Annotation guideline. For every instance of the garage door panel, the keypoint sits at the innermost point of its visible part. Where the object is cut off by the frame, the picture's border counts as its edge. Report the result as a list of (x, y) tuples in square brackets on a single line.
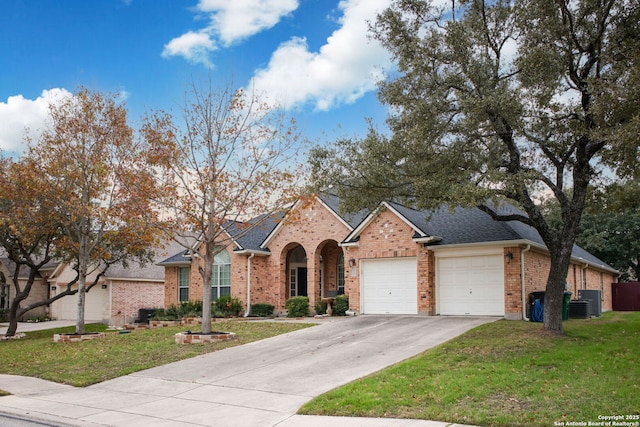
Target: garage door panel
[(95, 306), (389, 286), (471, 285)]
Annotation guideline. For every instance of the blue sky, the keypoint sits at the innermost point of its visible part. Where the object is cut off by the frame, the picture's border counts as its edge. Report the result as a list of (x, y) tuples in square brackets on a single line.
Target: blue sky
[(313, 57)]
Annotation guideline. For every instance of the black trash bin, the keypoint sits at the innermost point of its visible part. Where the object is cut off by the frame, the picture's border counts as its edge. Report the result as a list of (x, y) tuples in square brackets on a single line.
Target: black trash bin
[(144, 314)]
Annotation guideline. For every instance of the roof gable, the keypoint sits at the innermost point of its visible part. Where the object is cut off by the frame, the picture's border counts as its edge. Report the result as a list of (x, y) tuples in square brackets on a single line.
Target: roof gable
[(327, 201)]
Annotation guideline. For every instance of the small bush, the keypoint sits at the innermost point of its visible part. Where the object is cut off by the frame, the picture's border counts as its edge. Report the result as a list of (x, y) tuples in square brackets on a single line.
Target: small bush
[(321, 307), (191, 309), (177, 312), (297, 307), (262, 310), (226, 306), (341, 305), (170, 313)]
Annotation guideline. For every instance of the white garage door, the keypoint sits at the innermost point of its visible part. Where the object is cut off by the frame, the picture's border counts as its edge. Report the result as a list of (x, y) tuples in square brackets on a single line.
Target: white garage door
[(96, 306), (389, 286), (471, 285)]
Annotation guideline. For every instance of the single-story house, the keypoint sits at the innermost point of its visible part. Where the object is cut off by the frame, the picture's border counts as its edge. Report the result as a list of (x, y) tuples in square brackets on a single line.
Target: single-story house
[(119, 294), (115, 300), (394, 260), (39, 290)]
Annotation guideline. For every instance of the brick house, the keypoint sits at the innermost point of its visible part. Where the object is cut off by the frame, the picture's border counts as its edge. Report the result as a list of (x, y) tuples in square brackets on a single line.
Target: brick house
[(393, 260), (119, 294), (115, 300), (38, 290)]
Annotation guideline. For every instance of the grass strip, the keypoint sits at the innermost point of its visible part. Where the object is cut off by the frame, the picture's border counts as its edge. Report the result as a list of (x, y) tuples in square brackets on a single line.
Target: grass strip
[(90, 362), (507, 374)]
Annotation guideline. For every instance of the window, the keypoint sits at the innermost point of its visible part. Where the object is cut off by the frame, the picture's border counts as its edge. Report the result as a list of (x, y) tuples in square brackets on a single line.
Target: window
[(340, 274), (221, 276), (293, 280), (183, 284)]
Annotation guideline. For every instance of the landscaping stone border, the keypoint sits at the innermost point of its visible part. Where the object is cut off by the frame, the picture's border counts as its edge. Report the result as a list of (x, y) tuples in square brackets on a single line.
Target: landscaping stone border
[(17, 336), (197, 338), (78, 337)]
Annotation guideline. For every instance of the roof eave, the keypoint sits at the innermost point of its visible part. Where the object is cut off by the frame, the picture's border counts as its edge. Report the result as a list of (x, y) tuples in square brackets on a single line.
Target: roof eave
[(427, 239), (252, 252)]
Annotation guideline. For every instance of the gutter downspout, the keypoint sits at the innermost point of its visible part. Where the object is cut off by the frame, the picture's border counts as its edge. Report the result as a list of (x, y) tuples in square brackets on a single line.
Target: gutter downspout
[(522, 284), (248, 310), (583, 285)]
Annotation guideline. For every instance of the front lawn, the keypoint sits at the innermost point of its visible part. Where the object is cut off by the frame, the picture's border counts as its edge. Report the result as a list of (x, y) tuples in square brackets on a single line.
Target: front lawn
[(508, 373), (82, 364)]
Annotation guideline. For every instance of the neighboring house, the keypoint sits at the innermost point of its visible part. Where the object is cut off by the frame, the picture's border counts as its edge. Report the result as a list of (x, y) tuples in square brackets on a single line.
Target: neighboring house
[(39, 290), (119, 294), (395, 260)]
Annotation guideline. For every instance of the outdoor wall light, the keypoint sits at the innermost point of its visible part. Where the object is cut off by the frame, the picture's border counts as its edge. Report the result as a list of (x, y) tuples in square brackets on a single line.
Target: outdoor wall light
[(508, 257), (352, 262)]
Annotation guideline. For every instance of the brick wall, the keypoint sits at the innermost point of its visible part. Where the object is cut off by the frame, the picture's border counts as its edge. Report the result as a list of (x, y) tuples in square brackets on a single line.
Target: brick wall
[(127, 297), (313, 227), (537, 266), (170, 286), (512, 283)]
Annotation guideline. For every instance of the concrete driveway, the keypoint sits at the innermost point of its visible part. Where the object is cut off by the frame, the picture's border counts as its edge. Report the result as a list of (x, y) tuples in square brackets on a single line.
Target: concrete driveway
[(258, 384)]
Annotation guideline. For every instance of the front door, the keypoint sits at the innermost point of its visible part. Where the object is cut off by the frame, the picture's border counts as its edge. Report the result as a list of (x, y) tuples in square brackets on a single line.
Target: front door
[(302, 281)]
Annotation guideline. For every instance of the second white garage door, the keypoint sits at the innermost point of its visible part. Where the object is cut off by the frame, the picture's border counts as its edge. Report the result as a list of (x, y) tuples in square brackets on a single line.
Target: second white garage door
[(471, 285), (389, 286)]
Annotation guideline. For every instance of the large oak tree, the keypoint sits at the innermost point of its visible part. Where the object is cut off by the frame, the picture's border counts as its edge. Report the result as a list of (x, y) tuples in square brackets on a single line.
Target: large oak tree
[(500, 100)]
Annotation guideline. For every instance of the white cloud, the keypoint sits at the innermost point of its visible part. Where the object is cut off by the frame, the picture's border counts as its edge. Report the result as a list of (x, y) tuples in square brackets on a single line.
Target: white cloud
[(235, 20), (342, 71), (194, 47), (230, 22), (18, 115)]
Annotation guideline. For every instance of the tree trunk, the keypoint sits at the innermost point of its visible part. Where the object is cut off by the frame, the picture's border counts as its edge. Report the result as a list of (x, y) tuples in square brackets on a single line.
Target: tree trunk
[(83, 255), (13, 315), (81, 300), (554, 295), (207, 272)]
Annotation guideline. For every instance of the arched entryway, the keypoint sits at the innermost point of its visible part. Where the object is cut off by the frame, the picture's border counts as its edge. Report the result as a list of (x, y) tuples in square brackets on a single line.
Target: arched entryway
[(297, 272), (331, 269)]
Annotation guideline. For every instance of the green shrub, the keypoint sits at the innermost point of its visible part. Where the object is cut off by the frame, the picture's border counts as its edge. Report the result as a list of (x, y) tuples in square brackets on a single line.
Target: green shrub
[(178, 311), (341, 305), (170, 313), (191, 309), (262, 310), (226, 306), (321, 307), (297, 307)]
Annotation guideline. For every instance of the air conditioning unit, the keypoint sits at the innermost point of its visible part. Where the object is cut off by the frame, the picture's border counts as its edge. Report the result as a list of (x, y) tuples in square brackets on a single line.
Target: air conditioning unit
[(579, 309), (594, 296)]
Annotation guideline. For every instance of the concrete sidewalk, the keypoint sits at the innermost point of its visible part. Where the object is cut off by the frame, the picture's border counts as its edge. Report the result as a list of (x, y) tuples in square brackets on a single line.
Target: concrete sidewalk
[(258, 384)]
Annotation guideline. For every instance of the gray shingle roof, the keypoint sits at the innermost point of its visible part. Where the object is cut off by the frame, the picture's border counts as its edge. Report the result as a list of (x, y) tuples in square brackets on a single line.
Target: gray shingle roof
[(333, 201), (149, 271), (249, 235), (471, 225)]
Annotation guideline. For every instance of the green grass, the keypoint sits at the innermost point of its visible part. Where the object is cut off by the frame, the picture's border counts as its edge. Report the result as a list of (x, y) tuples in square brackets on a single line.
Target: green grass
[(507, 374), (83, 364)]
